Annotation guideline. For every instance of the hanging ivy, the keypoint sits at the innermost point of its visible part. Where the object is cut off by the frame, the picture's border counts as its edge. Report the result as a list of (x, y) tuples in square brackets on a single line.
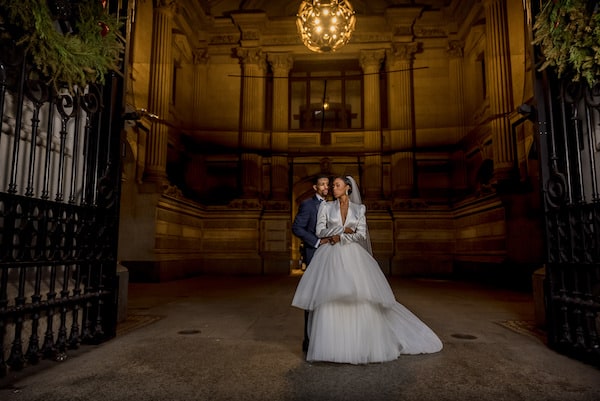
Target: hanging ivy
[(73, 42), (568, 33)]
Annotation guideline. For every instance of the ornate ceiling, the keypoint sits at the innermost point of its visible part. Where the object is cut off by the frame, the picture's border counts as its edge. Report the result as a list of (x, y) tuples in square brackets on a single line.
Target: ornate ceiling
[(274, 9), (271, 23)]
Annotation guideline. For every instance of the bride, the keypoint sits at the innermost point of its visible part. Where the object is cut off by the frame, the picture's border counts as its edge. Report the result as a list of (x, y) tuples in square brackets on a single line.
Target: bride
[(354, 317)]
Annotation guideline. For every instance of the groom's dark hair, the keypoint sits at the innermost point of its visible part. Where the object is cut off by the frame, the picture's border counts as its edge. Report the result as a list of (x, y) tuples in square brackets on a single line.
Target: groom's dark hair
[(318, 177)]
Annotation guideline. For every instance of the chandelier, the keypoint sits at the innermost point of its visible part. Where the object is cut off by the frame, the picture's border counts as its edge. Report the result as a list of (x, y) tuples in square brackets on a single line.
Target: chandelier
[(325, 26)]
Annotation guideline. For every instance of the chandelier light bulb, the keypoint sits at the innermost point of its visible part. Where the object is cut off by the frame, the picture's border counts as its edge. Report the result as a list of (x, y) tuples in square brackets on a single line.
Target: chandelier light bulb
[(325, 26)]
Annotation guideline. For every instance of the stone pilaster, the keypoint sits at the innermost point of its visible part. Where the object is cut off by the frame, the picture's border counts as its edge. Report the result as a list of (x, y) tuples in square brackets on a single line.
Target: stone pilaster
[(161, 77), (281, 64), (401, 117), (370, 62), (456, 74), (252, 121), (497, 61), (200, 80)]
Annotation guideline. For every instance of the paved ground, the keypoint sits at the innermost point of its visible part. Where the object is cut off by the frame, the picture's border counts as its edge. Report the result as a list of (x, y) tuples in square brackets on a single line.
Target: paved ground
[(234, 338)]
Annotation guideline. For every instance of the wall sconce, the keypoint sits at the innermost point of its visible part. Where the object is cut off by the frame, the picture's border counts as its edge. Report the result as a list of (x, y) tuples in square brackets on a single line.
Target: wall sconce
[(325, 26)]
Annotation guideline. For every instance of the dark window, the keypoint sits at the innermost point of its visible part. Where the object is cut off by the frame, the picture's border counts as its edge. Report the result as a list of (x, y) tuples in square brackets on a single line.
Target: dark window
[(326, 95)]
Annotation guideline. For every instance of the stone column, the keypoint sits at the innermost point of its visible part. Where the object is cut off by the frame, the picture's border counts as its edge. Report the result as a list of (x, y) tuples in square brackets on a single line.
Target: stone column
[(497, 61), (159, 96), (281, 63), (401, 118), (370, 62), (252, 121)]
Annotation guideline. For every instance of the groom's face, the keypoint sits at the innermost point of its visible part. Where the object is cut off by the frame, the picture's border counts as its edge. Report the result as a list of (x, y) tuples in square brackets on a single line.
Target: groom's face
[(322, 187)]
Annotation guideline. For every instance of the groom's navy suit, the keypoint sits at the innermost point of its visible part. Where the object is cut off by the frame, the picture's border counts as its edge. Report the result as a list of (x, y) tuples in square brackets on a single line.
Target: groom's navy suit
[(305, 224), (304, 227)]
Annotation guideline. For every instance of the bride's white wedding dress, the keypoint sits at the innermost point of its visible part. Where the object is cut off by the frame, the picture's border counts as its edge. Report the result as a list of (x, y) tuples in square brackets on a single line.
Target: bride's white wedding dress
[(354, 316)]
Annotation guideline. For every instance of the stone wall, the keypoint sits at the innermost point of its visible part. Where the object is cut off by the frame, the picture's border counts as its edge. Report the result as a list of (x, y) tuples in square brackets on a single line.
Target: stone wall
[(424, 241), (191, 239)]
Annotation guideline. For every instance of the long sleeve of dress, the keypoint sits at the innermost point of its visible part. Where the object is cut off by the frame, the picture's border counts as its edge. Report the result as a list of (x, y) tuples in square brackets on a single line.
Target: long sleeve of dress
[(329, 223), (358, 223)]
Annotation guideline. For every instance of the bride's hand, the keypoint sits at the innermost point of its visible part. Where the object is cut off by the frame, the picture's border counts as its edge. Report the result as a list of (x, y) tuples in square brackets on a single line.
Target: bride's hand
[(348, 230)]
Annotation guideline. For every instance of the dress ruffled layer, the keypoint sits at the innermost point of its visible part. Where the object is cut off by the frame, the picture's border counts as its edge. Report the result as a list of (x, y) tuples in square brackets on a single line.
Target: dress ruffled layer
[(354, 316)]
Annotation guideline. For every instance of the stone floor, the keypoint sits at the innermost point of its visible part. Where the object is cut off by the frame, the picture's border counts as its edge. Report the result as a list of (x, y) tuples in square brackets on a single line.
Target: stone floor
[(238, 338)]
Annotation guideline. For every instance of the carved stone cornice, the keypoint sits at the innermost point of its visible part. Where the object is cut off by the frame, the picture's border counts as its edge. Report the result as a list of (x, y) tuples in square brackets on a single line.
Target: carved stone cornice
[(456, 48), (251, 26), (399, 204), (167, 6), (201, 56), (223, 39), (376, 205), (245, 204), (281, 40), (181, 43), (370, 37), (404, 51), (276, 205), (325, 164), (281, 62), (429, 32), (402, 20), (371, 59), (250, 55), (173, 191)]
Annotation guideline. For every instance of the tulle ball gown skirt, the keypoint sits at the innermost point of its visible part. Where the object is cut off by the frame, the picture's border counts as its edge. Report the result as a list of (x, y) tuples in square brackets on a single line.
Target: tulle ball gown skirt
[(354, 317)]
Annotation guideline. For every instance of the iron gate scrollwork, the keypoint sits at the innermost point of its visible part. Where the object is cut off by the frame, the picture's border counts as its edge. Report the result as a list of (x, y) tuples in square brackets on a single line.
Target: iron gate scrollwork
[(569, 118), (59, 198)]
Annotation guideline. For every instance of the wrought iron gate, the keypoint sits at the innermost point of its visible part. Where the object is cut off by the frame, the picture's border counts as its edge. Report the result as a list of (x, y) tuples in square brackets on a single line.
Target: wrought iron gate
[(569, 118), (59, 199)]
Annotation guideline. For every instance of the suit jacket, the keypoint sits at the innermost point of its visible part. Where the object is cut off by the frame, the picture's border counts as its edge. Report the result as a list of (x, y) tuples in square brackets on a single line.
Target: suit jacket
[(305, 224)]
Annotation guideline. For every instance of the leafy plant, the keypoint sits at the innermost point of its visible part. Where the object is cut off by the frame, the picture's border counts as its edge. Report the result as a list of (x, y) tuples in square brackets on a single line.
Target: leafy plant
[(90, 48), (568, 33)]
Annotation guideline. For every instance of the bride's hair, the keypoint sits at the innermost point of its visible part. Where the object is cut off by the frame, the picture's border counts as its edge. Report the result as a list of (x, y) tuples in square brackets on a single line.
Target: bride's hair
[(347, 180)]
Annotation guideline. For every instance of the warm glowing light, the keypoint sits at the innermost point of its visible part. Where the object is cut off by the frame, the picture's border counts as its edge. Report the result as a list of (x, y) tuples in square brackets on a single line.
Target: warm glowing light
[(325, 26)]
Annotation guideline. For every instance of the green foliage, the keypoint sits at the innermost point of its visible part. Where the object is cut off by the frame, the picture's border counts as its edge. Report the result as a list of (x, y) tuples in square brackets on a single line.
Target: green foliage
[(568, 32), (84, 56)]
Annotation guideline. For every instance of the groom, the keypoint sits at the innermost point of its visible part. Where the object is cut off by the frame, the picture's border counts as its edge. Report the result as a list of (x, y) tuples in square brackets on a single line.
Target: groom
[(304, 227)]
